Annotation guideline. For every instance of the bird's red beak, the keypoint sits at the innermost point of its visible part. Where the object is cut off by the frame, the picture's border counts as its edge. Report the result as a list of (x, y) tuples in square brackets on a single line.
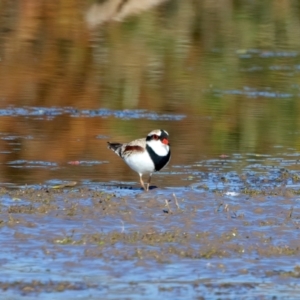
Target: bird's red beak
[(165, 141)]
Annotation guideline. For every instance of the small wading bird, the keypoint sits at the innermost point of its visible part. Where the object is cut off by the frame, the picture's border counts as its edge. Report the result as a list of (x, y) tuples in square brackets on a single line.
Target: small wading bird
[(147, 155)]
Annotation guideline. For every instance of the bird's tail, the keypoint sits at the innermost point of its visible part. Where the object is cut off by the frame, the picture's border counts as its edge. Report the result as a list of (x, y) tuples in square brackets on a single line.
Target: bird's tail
[(116, 147)]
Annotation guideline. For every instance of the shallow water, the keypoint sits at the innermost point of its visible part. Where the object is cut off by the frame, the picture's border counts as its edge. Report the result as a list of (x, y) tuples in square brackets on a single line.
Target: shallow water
[(222, 219), (132, 243)]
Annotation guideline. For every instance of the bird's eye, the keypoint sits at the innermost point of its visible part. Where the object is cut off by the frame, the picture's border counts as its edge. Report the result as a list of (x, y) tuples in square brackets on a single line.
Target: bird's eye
[(155, 137)]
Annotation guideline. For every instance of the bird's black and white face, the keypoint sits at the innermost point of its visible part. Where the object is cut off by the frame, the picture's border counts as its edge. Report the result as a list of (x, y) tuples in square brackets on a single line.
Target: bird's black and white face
[(158, 141)]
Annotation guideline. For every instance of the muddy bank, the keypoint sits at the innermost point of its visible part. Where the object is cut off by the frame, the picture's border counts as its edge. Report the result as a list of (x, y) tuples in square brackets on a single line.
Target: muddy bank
[(92, 242)]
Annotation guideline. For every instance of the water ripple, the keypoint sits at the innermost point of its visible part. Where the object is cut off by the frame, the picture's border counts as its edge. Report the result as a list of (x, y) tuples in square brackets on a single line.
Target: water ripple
[(51, 112)]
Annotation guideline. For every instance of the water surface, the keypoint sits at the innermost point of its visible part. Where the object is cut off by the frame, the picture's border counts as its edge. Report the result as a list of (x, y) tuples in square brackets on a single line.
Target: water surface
[(221, 77)]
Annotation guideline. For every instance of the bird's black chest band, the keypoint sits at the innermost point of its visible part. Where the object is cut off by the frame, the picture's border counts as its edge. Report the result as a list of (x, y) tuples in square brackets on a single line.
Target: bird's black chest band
[(159, 161)]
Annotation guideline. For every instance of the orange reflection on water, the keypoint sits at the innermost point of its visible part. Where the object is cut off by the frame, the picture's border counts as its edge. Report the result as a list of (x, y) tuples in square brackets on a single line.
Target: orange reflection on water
[(227, 67)]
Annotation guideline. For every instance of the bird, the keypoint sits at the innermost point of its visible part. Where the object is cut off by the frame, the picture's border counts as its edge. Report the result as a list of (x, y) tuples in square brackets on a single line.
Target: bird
[(145, 155)]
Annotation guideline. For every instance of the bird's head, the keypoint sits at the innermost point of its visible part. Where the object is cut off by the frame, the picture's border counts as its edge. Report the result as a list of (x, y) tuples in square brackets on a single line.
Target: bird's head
[(158, 140)]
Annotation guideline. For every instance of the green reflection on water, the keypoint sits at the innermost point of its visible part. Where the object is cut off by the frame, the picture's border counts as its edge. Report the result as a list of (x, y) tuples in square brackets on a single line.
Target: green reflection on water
[(231, 67)]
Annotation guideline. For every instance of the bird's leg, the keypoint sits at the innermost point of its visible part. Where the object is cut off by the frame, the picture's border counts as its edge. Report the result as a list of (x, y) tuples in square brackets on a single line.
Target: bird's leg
[(142, 182), (149, 180)]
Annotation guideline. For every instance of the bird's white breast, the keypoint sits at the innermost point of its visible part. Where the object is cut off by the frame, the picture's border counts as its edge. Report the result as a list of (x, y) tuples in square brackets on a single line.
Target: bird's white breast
[(140, 162)]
